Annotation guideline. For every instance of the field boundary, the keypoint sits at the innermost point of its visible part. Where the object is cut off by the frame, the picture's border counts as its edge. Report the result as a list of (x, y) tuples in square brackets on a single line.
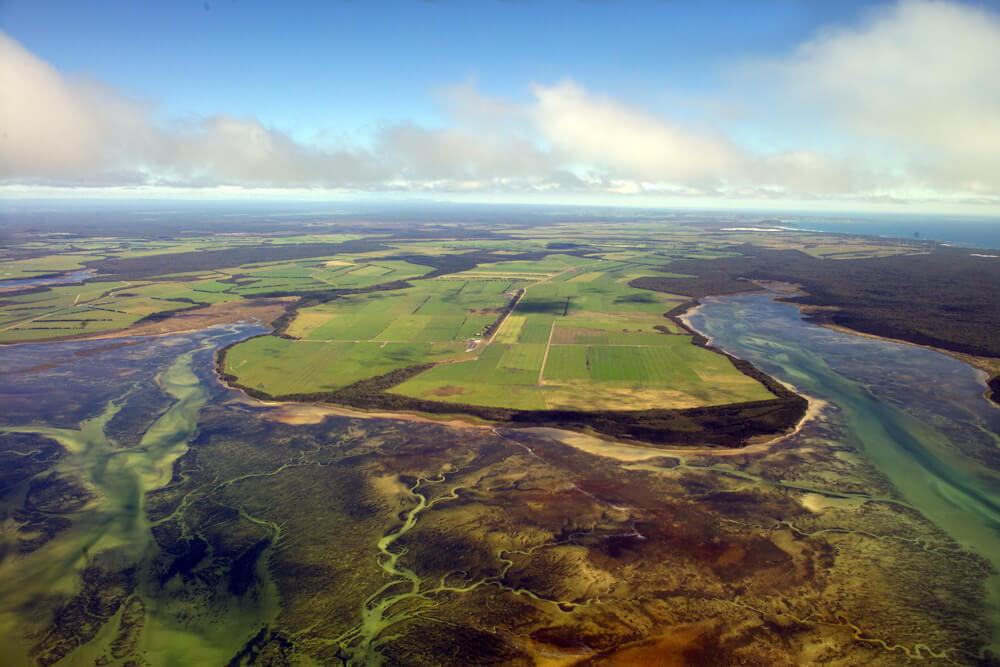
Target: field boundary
[(731, 425), (545, 358)]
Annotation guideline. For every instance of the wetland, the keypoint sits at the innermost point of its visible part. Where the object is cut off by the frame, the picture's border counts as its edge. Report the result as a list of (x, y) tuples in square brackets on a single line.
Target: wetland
[(213, 466), (158, 517)]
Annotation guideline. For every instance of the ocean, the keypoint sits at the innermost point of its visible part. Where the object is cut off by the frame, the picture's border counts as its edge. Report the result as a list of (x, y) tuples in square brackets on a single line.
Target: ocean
[(958, 231)]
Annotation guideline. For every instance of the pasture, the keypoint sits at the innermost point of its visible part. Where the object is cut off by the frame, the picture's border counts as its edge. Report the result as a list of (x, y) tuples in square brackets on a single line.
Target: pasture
[(583, 339), (281, 366), (579, 337)]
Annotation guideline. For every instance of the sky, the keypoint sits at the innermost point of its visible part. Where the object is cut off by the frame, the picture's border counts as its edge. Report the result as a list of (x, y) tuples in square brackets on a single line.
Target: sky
[(819, 105)]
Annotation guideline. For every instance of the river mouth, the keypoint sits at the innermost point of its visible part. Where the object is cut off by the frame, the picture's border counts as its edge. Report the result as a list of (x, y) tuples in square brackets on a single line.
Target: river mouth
[(918, 415), (161, 514)]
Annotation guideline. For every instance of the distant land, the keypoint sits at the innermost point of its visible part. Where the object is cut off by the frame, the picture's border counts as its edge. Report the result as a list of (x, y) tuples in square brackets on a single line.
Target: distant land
[(270, 434)]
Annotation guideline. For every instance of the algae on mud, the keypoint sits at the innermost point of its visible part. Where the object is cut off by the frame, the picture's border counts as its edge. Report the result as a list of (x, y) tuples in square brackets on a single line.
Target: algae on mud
[(94, 574), (918, 415), (374, 540)]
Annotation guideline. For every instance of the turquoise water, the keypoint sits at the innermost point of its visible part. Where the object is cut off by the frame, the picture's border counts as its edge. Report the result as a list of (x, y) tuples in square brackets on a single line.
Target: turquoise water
[(919, 416)]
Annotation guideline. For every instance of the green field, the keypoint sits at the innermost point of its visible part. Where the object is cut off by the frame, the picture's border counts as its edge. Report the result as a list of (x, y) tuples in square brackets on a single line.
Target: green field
[(95, 307), (281, 366), (579, 338), (110, 306)]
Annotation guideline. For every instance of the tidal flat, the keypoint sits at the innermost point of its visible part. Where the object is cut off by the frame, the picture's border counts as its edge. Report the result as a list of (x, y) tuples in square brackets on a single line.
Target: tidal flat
[(151, 515)]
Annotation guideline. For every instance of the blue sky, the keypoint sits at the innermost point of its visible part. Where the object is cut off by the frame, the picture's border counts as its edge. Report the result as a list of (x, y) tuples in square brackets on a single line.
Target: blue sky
[(625, 102), (338, 65)]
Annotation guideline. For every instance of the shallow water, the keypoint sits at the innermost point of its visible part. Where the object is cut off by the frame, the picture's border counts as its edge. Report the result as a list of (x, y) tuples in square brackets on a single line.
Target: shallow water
[(71, 277), (125, 409), (61, 400), (920, 416)]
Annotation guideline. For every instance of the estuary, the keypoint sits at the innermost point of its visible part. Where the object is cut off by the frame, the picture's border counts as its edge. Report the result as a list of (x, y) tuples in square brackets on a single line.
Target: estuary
[(918, 415), (152, 514)]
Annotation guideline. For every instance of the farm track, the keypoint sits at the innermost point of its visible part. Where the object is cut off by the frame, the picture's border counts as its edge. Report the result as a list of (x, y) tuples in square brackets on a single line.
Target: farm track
[(545, 357)]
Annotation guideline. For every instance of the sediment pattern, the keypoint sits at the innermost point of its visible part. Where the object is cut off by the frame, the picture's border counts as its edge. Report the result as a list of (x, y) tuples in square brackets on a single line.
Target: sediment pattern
[(203, 523)]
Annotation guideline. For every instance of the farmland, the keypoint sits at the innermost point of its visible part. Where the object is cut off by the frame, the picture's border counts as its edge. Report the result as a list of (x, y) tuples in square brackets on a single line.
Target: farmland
[(462, 320), (96, 306), (427, 480), (611, 347)]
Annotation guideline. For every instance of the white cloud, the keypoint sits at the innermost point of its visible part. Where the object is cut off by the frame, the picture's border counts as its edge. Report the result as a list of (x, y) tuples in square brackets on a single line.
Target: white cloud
[(60, 130), (918, 80), (910, 92), (461, 152), (603, 132), (621, 142), (52, 127), (241, 151)]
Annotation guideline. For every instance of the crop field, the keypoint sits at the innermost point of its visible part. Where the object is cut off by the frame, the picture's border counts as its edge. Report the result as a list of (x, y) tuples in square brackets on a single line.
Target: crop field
[(579, 336), (588, 344), (567, 362), (320, 274), (59, 311), (28, 268), (95, 307), (536, 328), (433, 321), (75, 310), (281, 366), (431, 311), (651, 370)]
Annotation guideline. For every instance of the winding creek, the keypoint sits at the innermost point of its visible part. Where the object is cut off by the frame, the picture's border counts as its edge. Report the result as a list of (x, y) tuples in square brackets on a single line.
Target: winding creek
[(919, 416)]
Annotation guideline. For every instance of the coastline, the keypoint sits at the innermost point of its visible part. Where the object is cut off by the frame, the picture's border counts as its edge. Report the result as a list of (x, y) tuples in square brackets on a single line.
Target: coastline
[(293, 413), (988, 367), (657, 430), (814, 406), (635, 451)]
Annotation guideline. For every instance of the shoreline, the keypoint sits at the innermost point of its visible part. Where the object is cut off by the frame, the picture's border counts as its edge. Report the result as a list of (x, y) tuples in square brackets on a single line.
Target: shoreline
[(814, 406), (988, 367), (295, 411)]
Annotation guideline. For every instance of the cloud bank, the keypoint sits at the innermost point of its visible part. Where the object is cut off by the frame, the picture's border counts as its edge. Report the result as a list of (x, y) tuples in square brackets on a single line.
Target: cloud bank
[(917, 81), (910, 95)]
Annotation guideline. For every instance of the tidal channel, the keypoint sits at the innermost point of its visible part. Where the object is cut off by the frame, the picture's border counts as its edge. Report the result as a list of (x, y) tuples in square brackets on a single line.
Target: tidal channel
[(920, 416)]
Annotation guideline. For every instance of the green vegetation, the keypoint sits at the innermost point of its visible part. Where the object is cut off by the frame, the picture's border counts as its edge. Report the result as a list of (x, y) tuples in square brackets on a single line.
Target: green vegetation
[(630, 359), (52, 264), (152, 515), (521, 320), (282, 366), (575, 347), (946, 298), (159, 518)]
